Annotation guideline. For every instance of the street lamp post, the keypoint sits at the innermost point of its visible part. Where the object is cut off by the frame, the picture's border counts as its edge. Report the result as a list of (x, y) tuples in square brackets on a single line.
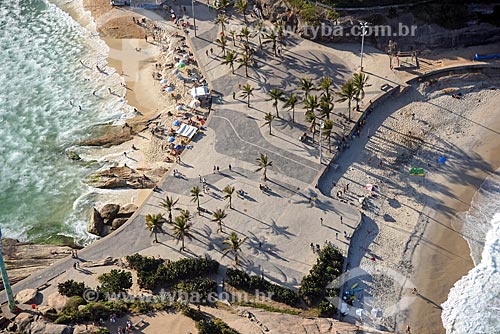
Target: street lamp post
[(321, 126), (364, 25), (194, 17)]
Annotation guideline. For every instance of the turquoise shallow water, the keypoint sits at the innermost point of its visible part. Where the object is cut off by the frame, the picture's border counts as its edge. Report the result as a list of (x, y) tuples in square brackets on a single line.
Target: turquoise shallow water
[(47, 105)]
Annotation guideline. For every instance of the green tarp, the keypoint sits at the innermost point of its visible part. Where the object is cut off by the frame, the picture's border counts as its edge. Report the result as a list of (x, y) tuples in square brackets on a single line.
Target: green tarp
[(417, 171)]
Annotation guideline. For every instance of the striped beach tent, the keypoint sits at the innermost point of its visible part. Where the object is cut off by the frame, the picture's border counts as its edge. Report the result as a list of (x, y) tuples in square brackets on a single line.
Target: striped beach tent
[(186, 130)]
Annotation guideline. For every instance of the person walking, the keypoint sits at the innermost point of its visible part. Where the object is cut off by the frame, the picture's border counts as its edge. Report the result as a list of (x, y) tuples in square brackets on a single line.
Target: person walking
[(341, 221), (321, 221), (229, 167)]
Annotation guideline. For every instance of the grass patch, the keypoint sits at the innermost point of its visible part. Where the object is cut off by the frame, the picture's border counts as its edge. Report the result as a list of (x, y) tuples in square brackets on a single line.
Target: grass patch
[(269, 308)]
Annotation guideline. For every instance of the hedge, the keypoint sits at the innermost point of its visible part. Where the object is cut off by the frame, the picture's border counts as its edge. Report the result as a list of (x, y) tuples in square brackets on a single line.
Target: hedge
[(241, 280)]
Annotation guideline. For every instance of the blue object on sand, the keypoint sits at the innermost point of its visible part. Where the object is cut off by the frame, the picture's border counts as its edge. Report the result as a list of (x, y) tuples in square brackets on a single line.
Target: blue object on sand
[(171, 139), (176, 123), (442, 160), (177, 147)]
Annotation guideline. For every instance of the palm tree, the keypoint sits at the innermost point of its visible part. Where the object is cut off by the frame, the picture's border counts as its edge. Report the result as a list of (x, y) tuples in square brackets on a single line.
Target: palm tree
[(222, 20), (263, 162), (246, 60), (276, 95), (228, 194), (195, 196), (169, 204), (311, 103), (269, 120), (326, 84), (247, 92), (154, 223), (222, 43), (327, 132), (241, 7), (290, 103), (186, 214), (233, 36), (271, 37), (311, 118), (218, 216), (259, 32), (182, 230), (359, 81), (245, 32), (233, 245), (325, 107), (230, 59), (306, 85), (347, 93)]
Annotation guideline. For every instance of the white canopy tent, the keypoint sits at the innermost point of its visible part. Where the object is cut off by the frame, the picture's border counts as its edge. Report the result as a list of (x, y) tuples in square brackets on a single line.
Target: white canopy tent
[(199, 91), (186, 130)]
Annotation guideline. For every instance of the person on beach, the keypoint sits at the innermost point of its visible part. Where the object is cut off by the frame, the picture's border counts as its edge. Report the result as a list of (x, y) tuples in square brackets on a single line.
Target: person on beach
[(229, 167), (414, 291), (321, 221), (146, 38)]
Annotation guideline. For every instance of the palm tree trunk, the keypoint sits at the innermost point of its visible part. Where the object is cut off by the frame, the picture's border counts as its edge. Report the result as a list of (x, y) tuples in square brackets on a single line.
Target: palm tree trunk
[(182, 247), (246, 70), (230, 202), (270, 129), (156, 235), (293, 115), (265, 173), (248, 101), (349, 106), (276, 106)]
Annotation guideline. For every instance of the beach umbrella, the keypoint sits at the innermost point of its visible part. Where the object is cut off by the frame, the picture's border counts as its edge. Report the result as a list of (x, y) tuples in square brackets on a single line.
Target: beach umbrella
[(178, 108), (176, 123), (171, 139), (169, 89), (442, 160), (371, 187), (163, 81), (177, 147), (375, 312), (194, 103)]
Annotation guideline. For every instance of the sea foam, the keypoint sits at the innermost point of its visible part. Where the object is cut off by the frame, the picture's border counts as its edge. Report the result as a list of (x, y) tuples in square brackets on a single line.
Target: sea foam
[(49, 102), (473, 305)]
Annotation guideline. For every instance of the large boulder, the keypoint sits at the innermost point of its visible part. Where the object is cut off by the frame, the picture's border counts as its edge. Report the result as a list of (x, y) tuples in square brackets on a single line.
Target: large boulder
[(56, 301), (45, 309), (42, 327), (117, 222), (23, 321), (127, 210), (109, 212), (85, 329), (27, 296), (96, 223)]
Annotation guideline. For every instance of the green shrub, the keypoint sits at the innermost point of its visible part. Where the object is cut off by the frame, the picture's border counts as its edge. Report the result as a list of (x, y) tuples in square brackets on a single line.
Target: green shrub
[(201, 286), (72, 304), (116, 281), (326, 309), (327, 268), (193, 314), (243, 281), (171, 273), (143, 263), (214, 326), (71, 288)]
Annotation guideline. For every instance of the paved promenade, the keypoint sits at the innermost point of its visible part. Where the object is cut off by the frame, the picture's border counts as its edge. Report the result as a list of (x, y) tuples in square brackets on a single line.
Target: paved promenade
[(280, 224)]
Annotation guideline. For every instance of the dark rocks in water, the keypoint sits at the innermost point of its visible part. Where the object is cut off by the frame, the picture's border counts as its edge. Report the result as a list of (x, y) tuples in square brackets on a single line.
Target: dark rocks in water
[(96, 223), (109, 212), (73, 155)]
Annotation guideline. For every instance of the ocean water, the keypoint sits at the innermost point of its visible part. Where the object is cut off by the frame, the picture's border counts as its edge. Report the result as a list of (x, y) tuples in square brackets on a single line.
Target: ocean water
[(51, 97), (473, 305)]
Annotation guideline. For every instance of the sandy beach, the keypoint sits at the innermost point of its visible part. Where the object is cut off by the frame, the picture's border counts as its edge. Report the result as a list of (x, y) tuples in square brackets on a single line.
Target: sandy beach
[(418, 239)]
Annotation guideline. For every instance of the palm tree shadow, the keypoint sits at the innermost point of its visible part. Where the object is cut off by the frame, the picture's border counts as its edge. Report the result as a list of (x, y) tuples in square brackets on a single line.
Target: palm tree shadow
[(274, 229)]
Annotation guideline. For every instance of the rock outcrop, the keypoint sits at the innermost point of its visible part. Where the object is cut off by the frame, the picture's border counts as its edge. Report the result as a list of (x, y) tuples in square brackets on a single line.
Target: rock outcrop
[(120, 177), (24, 258), (96, 223), (116, 137), (109, 218), (109, 212), (127, 210), (56, 301), (27, 296)]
